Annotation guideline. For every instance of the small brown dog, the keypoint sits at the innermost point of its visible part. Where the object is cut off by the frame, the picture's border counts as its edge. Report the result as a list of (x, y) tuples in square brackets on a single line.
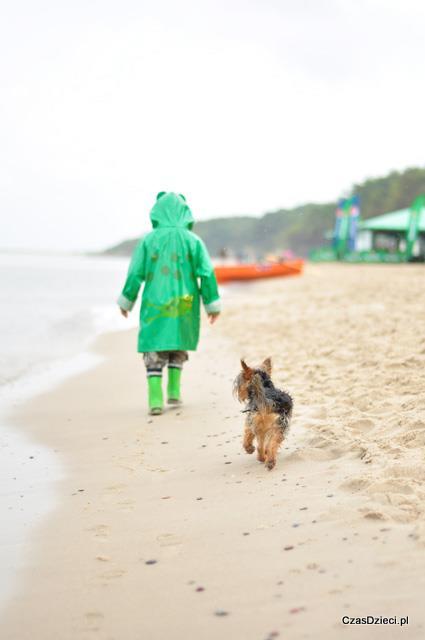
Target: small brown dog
[(268, 410)]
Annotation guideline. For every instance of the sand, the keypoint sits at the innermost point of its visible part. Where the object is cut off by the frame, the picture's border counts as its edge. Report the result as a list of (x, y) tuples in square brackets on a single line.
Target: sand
[(166, 529)]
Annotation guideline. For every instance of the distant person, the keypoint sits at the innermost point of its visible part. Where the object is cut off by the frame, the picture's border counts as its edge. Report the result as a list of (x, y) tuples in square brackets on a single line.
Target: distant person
[(169, 260), (224, 256)]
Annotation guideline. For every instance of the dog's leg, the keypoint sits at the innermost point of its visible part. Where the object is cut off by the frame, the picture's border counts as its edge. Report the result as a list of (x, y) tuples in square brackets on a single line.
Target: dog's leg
[(259, 430), (248, 438), (260, 448), (276, 439)]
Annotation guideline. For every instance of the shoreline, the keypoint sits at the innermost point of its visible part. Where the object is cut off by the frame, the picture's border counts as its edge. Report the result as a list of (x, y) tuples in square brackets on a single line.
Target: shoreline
[(169, 514), (31, 471)]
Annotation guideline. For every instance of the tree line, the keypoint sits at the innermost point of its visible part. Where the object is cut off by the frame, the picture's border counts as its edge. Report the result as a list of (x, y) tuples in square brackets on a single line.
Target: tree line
[(302, 228)]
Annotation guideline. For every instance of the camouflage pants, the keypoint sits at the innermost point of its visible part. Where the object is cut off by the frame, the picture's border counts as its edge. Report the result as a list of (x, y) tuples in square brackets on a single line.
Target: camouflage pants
[(155, 361)]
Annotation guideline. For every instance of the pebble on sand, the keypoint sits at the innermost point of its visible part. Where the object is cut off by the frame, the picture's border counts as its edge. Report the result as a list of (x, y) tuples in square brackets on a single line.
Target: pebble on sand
[(288, 548), (297, 610), (151, 561)]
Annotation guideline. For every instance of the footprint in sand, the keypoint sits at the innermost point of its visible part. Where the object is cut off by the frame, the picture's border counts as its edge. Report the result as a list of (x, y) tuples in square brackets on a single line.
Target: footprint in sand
[(390, 486), (126, 505), (363, 424), (115, 488), (94, 616), (112, 574), (319, 413), (93, 620), (100, 531), (372, 515), (402, 471), (169, 540), (356, 484), (413, 439)]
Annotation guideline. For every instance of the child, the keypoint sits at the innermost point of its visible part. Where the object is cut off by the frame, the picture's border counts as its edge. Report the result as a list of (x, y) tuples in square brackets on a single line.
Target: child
[(169, 260)]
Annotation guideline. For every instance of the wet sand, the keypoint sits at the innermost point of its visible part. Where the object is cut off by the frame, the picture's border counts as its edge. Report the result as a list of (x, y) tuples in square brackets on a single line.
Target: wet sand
[(167, 529)]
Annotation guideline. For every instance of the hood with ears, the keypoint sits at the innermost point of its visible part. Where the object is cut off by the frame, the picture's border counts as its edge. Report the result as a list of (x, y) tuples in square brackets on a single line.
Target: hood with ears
[(171, 210)]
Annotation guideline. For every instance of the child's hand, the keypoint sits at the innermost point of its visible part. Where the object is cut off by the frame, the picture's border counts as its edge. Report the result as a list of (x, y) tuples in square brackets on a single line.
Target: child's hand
[(212, 317), (124, 312)]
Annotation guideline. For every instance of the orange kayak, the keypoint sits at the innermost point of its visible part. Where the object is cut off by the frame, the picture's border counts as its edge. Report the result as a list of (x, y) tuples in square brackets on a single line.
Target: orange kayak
[(255, 271)]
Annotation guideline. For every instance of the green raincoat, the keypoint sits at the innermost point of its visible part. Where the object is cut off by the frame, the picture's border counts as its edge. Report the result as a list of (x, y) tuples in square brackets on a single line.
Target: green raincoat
[(175, 266)]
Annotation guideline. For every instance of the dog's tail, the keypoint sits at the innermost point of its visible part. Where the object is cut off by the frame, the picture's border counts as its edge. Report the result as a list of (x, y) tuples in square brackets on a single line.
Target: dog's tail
[(263, 403)]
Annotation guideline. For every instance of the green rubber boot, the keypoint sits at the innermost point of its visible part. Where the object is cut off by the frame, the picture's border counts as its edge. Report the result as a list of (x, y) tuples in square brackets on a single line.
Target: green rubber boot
[(173, 387), (156, 400)]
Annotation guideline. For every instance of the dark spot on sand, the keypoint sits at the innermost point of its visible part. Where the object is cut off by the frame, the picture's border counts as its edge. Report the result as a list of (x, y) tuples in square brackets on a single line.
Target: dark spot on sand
[(199, 589), (288, 548), (221, 613), (151, 561), (303, 508)]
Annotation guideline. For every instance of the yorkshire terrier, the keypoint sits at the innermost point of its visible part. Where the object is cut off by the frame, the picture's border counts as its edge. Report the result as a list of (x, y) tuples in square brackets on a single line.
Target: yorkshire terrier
[(268, 410)]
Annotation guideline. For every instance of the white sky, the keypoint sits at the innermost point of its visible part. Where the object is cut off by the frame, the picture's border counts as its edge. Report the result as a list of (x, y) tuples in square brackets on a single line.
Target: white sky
[(244, 106)]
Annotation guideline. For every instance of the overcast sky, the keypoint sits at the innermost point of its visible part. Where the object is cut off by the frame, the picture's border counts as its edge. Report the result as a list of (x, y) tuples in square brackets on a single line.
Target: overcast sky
[(244, 106)]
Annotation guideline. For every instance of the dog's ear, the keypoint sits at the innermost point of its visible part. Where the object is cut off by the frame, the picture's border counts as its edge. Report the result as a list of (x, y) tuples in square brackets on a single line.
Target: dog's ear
[(247, 371), (267, 366)]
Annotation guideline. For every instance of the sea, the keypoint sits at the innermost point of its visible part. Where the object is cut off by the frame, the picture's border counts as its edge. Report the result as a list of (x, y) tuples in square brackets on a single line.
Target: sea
[(52, 309)]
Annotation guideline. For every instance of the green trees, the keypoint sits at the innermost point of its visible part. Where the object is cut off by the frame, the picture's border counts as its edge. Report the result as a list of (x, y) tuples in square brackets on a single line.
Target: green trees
[(302, 228)]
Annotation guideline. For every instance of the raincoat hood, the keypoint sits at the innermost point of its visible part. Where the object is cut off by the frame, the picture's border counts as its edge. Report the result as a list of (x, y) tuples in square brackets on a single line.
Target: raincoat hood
[(171, 210)]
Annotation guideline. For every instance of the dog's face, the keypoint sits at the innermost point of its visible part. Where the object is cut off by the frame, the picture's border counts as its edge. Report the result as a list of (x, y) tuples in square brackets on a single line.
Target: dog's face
[(243, 380)]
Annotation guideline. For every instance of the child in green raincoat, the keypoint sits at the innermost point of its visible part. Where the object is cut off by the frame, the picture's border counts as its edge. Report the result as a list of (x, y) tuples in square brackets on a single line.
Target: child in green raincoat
[(171, 261)]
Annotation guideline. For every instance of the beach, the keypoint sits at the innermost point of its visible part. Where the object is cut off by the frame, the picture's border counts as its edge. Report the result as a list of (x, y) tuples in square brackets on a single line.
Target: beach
[(165, 528)]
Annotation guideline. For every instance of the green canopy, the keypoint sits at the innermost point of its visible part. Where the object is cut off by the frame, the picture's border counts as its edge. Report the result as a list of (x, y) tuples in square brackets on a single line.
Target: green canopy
[(394, 221)]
